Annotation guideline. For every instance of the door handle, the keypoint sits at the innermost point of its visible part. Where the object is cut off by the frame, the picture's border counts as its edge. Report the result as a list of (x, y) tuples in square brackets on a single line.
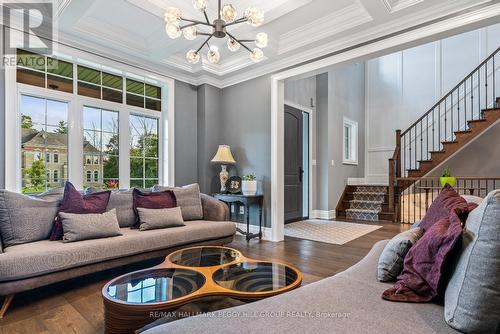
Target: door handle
[(301, 174)]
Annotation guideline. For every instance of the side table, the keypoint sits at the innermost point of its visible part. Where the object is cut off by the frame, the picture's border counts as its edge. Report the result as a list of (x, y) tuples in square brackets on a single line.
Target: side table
[(247, 202)]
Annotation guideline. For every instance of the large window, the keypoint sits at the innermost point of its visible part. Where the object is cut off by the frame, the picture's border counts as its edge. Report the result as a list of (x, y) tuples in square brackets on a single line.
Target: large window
[(63, 106), (43, 131), (100, 148), (143, 151)]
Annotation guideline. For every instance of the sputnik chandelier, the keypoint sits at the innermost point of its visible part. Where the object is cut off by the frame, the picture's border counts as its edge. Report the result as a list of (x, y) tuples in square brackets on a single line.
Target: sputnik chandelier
[(227, 16)]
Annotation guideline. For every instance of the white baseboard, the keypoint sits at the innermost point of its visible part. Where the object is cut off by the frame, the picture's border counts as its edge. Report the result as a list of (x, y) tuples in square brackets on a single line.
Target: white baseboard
[(266, 231), (323, 214), (374, 180)]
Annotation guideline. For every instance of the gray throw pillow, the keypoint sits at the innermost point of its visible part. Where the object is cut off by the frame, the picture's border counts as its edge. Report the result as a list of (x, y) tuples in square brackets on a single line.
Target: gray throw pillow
[(390, 263), (89, 226), (472, 297), (188, 198), (123, 202), (152, 219), (25, 219), (472, 199)]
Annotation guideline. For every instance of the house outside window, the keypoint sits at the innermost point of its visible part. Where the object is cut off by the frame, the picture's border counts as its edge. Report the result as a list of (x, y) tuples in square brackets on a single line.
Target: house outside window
[(350, 142), (51, 118)]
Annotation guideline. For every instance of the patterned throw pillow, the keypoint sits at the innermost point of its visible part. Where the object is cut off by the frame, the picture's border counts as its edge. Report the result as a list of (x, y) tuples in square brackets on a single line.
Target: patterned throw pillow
[(153, 200), (74, 202)]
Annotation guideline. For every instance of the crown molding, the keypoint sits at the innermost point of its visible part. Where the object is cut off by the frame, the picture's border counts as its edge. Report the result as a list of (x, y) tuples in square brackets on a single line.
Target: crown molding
[(329, 25), (397, 5), (61, 6)]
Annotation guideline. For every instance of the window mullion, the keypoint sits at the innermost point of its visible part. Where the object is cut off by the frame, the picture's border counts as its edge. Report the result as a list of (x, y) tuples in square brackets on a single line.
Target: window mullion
[(75, 143), (123, 148)]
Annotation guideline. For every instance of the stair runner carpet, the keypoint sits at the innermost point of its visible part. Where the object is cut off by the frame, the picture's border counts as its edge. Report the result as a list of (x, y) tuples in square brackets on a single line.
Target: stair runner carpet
[(366, 203)]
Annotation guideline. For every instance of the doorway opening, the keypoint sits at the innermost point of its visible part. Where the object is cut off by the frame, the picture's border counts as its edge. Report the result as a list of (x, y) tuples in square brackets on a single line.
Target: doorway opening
[(297, 164)]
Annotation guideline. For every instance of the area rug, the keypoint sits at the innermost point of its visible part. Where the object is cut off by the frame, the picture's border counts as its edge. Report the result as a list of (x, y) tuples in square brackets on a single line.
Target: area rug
[(329, 231)]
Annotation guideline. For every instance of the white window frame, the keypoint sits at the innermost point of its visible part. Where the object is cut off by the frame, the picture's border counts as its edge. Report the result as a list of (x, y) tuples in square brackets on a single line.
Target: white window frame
[(353, 142), (14, 90)]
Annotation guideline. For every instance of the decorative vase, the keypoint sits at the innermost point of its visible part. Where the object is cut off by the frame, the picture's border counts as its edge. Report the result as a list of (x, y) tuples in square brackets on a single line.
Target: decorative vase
[(448, 180), (224, 175), (249, 188)]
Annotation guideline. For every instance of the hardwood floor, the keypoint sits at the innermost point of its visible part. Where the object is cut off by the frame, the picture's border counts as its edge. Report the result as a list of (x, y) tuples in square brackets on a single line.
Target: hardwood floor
[(75, 306)]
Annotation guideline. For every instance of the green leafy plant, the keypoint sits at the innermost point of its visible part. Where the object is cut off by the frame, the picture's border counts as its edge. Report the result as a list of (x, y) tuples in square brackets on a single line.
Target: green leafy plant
[(249, 177), (446, 172)]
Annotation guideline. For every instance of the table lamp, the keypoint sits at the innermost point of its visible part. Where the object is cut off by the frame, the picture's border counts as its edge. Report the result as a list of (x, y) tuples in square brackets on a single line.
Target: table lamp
[(223, 157)]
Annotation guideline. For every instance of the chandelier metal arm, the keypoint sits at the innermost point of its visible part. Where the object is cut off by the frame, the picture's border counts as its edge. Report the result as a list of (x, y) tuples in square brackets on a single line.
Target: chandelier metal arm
[(238, 21), (206, 17), (188, 25), (239, 42), (206, 42), (196, 21)]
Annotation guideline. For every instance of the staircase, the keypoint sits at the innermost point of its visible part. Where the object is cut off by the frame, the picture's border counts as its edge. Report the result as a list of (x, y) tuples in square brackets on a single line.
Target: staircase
[(475, 127), (368, 203), (461, 116)]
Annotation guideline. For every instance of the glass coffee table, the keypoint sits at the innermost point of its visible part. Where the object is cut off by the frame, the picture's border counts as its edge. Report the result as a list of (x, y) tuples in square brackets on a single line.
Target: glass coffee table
[(133, 300)]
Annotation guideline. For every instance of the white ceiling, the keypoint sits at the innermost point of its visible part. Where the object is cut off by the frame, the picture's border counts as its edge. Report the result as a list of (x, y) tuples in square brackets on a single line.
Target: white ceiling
[(299, 30)]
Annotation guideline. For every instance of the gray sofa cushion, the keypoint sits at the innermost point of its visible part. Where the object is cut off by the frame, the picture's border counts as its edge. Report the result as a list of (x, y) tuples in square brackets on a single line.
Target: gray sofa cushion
[(348, 302), (188, 198), (89, 226), (390, 263), (151, 219), (47, 256), (472, 297), (25, 219), (123, 202)]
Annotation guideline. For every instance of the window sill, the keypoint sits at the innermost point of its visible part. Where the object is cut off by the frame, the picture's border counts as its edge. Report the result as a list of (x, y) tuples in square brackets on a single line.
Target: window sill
[(350, 163)]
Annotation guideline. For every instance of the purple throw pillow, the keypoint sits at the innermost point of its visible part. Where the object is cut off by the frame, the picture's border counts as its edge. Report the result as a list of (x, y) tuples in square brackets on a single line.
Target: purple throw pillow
[(74, 202), (447, 201), (154, 200), (425, 264)]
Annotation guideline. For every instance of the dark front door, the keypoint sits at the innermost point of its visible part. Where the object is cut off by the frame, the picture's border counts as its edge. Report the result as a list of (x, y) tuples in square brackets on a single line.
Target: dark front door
[(293, 164)]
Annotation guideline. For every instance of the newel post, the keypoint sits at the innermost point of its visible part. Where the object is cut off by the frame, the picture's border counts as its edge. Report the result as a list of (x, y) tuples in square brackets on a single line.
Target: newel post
[(394, 172)]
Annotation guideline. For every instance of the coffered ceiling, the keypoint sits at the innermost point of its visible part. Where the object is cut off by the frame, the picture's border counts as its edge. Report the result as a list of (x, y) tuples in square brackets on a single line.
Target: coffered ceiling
[(299, 30)]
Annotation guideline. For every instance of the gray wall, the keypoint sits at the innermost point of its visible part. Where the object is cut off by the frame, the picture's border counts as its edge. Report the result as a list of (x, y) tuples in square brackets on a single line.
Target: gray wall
[(301, 91), (2, 116), (346, 98), (322, 163), (209, 136), (479, 158), (246, 118), (340, 93), (186, 133)]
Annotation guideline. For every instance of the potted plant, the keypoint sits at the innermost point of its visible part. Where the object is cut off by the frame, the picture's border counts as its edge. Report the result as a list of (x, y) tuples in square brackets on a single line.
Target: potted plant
[(446, 178), (249, 185)]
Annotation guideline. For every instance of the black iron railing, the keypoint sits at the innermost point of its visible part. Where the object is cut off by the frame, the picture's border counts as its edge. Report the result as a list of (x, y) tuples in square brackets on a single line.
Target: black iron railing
[(419, 193), (464, 103)]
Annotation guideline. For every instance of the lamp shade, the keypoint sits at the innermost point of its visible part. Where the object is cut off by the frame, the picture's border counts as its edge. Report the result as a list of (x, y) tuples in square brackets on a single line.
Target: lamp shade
[(224, 155)]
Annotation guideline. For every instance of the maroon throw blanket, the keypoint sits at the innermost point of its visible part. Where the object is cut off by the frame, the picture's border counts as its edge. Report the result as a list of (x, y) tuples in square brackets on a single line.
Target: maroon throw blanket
[(422, 277)]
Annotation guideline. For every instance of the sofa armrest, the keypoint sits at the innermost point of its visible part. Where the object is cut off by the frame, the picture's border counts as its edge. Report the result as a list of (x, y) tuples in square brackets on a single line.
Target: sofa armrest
[(213, 209)]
